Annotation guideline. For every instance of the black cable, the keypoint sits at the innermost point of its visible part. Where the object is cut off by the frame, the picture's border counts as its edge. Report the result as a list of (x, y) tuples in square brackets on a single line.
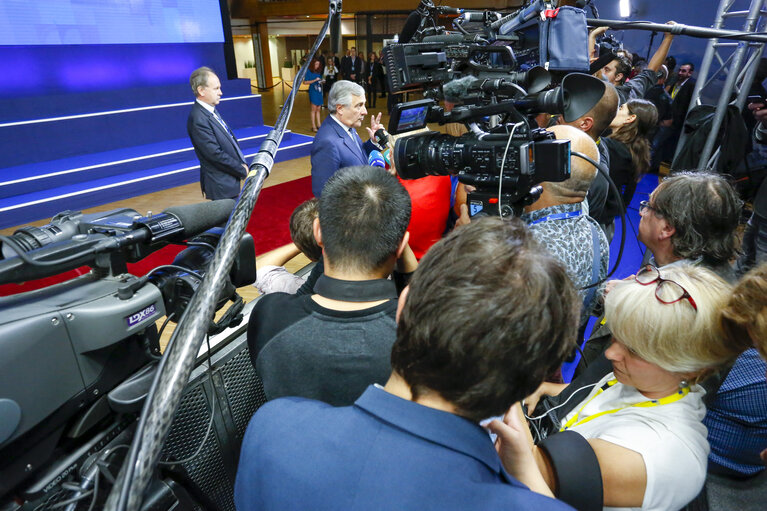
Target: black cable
[(165, 323), (601, 168), (212, 415)]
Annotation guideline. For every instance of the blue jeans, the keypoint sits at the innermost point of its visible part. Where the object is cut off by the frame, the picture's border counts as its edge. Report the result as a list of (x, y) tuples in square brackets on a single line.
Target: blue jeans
[(754, 244)]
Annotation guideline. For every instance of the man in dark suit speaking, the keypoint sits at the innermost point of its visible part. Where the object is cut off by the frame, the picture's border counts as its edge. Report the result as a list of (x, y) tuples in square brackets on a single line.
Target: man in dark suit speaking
[(337, 144), (222, 164)]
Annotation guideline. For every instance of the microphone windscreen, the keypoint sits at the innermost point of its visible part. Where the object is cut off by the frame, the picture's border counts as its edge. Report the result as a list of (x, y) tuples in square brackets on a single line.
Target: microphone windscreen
[(376, 159), (198, 218), (456, 90), (412, 23)]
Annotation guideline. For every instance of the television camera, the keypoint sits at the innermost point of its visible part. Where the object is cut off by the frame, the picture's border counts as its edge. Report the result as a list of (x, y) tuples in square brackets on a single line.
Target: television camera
[(496, 71), (79, 356)]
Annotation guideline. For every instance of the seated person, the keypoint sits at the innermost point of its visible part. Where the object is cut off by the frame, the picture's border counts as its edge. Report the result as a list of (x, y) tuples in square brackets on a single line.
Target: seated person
[(332, 344), (558, 222), (642, 420), (271, 275), (416, 443)]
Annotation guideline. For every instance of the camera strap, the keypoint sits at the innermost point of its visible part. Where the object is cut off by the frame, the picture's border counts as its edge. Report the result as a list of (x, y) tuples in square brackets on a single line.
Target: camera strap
[(355, 290), (558, 216)]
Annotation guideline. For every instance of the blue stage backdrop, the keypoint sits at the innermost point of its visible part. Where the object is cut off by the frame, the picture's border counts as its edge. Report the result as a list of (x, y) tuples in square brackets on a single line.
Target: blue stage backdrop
[(51, 48)]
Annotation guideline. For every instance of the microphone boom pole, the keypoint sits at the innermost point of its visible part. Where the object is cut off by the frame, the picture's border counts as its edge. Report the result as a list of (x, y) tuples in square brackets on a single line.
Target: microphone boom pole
[(679, 29), (179, 360)]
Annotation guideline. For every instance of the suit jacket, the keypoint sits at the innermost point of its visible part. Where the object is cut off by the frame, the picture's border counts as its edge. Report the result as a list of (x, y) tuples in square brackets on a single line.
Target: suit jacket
[(349, 67), (680, 103), (382, 453), (334, 149), (220, 162)]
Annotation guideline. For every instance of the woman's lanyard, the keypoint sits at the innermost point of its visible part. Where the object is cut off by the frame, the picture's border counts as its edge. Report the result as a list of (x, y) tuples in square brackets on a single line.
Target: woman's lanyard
[(558, 216), (644, 404)]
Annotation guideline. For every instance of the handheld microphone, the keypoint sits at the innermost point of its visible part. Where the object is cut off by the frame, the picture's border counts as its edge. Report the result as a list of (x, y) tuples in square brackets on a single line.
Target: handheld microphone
[(376, 159), (382, 137)]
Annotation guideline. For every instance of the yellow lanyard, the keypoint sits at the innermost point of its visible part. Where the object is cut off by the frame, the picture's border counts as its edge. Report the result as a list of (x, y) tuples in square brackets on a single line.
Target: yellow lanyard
[(644, 404)]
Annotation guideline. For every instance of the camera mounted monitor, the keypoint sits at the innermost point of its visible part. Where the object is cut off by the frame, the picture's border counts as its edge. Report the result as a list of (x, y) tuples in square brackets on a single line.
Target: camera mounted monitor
[(410, 116)]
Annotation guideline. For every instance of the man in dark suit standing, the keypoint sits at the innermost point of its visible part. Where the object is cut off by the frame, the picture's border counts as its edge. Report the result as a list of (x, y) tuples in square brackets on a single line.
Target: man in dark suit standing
[(337, 144), (664, 144), (222, 164), (352, 67)]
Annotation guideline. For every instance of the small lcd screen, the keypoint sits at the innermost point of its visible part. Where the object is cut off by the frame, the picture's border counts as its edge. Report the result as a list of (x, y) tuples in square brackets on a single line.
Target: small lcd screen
[(412, 118)]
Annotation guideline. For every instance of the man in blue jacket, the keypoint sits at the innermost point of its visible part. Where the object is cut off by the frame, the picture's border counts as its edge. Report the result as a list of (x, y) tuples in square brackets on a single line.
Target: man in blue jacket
[(487, 317), (337, 144), (222, 164)]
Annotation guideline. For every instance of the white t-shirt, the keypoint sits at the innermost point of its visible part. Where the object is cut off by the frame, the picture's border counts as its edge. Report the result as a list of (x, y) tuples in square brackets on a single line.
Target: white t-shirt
[(274, 279), (671, 439)]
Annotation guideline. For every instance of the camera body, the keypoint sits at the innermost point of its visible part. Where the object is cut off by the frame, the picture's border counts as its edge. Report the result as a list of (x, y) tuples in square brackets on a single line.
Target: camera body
[(487, 75), (67, 346)]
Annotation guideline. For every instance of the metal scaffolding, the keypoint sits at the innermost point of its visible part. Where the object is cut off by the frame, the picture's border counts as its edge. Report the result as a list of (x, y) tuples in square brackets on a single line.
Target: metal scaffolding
[(739, 68)]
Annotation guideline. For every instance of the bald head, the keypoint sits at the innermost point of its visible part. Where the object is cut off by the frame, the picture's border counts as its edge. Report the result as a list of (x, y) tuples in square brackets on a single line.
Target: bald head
[(581, 171), (598, 119)]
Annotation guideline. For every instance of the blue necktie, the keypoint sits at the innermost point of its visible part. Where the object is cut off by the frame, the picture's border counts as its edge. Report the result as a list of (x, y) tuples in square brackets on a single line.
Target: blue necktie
[(357, 139)]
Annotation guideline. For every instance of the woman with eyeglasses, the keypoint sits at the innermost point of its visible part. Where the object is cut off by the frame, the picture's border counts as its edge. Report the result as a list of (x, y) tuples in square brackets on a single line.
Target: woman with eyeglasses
[(637, 430)]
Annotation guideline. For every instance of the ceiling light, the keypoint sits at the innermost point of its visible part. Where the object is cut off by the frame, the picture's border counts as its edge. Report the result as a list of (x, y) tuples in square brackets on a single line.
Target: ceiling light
[(625, 8)]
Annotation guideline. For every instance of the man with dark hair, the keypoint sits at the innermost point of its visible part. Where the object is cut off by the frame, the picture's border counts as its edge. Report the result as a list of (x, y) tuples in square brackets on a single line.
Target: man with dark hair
[(487, 316), (332, 344), (691, 217), (617, 71), (667, 138), (351, 66), (222, 164)]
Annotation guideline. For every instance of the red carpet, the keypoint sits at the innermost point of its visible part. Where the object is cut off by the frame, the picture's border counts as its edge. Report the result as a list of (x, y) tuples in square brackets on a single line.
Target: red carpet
[(268, 225)]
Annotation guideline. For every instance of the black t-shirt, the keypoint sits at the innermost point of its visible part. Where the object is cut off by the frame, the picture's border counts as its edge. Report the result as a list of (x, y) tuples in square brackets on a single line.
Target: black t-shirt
[(300, 348), (622, 174)]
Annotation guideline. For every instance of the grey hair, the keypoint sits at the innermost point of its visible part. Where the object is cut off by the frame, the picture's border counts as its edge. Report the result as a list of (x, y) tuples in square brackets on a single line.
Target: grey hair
[(341, 94), (199, 78), (704, 210)]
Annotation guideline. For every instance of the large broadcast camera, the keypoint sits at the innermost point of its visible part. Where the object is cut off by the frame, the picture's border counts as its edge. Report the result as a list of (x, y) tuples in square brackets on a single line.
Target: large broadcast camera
[(78, 356), (499, 71)]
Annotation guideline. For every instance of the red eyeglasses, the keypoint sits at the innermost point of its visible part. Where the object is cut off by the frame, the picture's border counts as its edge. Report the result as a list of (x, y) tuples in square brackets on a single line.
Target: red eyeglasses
[(668, 291)]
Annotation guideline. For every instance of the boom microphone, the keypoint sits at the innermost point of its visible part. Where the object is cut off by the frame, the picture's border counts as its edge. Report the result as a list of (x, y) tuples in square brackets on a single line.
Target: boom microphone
[(457, 89), (198, 218), (176, 223), (412, 23)]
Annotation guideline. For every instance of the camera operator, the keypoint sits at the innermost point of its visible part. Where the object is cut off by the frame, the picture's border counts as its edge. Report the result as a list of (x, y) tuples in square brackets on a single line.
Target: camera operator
[(594, 123), (558, 222), (486, 318), (618, 69)]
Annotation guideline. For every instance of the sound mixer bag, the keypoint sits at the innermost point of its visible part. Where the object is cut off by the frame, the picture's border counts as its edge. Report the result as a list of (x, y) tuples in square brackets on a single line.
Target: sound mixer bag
[(564, 40)]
